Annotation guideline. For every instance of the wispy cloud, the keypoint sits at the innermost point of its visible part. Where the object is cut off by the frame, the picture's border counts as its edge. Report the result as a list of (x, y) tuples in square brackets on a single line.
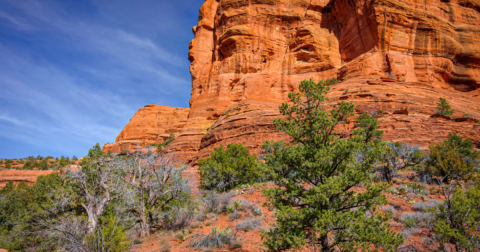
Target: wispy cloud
[(71, 76)]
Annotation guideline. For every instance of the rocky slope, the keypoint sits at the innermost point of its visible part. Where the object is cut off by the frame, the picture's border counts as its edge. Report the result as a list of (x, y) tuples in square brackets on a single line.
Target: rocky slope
[(398, 56)]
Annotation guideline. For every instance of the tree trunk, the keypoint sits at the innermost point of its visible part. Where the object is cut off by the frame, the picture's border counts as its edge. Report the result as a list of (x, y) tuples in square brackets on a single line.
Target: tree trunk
[(324, 243), (145, 228), (92, 222)]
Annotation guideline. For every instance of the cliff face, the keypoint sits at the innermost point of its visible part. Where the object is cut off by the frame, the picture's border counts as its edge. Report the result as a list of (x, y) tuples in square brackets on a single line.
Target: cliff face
[(398, 56), (152, 124), (18, 176)]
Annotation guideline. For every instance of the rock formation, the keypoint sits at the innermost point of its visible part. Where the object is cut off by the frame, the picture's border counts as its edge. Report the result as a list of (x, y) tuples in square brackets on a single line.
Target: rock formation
[(18, 176), (398, 56), (152, 124)]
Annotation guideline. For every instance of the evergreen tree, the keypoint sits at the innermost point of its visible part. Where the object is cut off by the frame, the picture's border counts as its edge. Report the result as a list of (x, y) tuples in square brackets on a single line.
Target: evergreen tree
[(444, 108), (225, 169), (315, 198), (447, 163), (367, 126), (457, 220), (464, 147)]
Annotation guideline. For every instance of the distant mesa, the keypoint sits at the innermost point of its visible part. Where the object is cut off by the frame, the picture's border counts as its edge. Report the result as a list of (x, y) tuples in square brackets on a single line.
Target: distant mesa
[(398, 57)]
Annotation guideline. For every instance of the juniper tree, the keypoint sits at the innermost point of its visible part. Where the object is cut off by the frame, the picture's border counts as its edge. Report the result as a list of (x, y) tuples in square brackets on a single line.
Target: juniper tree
[(315, 197), (155, 182), (98, 183), (227, 168), (457, 220)]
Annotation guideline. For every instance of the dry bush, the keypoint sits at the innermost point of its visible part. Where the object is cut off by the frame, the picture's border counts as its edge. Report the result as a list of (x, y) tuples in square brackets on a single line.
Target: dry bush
[(217, 238), (424, 206), (234, 216), (249, 224), (412, 220)]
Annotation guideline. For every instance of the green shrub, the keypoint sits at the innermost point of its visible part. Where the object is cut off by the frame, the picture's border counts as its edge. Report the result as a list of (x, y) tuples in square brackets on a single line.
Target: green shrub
[(444, 108), (225, 169), (109, 236), (458, 221), (1, 162), (162, 146), (465, 147), (447, 163), (313, 198)]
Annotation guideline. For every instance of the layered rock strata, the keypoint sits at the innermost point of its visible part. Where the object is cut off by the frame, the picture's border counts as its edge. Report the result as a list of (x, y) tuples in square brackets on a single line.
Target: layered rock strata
[(398, 56), (152, 124), (18, 176)]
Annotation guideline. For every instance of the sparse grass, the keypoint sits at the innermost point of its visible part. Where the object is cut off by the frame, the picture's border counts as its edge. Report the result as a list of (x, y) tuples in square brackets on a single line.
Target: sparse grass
[(165, 246), (412, 220), (217, 238), (424, 206)]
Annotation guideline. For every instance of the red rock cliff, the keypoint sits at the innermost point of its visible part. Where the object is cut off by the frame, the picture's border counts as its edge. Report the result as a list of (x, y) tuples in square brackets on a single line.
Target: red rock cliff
[(399, 56), (152, 124)]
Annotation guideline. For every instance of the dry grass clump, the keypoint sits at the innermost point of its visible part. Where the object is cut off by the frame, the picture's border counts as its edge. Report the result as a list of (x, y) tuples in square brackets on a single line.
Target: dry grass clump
[(249, 224), (217, 238), (424, 206)]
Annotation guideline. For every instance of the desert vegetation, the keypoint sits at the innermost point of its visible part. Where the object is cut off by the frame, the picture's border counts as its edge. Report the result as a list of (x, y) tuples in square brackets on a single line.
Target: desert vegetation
[(330, 188), (38, 163)]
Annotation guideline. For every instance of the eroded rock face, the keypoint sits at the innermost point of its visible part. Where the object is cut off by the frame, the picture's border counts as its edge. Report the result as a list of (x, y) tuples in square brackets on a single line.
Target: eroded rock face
[(399, 56), (390, 56), (18, 176), (152, 124)]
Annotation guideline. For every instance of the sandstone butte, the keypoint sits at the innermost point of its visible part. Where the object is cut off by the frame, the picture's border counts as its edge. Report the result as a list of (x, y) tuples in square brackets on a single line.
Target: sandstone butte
[(397, 56)]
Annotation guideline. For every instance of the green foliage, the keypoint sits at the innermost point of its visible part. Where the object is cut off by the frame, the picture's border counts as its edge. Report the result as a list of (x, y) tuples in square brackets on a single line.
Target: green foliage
[(162, 146), (458, 221), (227, 113), (465, 147), (109, 237), (19, 206), (1, 162), (95, 152), (447, 163), (43, 165), (225, 169), (331, 81), (314, 197), (8, 165), (367, 127), (444, 108)]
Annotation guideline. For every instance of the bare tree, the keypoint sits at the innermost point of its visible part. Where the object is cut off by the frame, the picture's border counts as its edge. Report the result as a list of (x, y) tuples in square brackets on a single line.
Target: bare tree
[(397, 157), (155, 180), (98, 183)]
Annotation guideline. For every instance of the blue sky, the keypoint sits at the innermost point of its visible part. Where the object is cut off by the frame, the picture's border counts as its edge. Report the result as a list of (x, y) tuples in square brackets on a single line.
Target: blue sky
[(73, 73)]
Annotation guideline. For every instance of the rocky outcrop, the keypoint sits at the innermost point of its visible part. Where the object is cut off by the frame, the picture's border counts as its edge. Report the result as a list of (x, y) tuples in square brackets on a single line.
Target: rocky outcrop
[(152, 124), (399, 56), (18, 176)]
